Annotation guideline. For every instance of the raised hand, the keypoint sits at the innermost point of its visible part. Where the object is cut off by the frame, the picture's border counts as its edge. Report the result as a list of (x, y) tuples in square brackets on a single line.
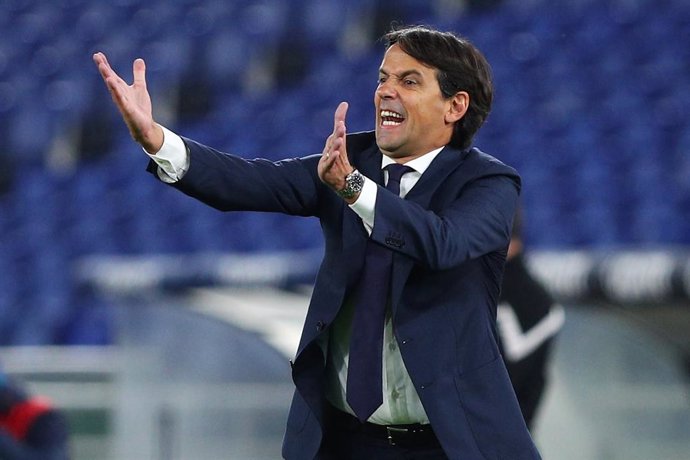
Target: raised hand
[(334, 164), (134, 102)]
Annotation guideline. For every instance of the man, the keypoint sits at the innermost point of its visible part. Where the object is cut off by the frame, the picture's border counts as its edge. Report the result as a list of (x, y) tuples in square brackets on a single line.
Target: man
[(528, 322), (423, 256)]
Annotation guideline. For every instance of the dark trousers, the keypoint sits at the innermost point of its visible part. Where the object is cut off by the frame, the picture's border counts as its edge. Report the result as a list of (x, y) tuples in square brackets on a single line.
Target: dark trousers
[(528, 377), (346, 440)]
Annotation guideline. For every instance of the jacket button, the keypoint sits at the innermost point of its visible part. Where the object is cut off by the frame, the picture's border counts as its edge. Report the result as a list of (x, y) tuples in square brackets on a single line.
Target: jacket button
[(320, 325), (395, 242)]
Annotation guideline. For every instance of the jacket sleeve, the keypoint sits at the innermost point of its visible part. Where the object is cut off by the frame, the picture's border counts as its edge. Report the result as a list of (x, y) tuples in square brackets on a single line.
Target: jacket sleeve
[(230, 183), (475, 222)]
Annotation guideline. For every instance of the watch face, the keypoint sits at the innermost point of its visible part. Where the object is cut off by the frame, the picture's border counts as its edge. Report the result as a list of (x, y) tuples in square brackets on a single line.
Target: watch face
[(353, 185), (356, 179)]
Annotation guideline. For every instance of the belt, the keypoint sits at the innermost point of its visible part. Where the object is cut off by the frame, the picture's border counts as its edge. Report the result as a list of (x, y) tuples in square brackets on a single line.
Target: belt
[(411, 436)]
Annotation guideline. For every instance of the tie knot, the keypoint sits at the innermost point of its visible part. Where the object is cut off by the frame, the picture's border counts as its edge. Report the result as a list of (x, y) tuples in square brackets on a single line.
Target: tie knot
[(395, 173)]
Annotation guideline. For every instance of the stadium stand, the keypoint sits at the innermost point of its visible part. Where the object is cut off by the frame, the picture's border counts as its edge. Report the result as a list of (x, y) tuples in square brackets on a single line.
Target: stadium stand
[(591, 107)]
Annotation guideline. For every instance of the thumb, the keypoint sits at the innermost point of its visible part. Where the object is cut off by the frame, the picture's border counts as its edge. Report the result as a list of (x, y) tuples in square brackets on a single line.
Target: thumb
[(340, 114), (139, 72)]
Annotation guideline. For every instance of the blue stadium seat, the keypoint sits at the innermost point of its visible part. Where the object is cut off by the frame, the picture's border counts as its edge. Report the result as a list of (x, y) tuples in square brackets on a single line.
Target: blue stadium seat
[(591, 107)]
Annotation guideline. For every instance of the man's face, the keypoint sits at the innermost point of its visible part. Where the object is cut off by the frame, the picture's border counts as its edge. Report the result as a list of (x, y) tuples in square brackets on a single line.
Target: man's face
[(412, 117)]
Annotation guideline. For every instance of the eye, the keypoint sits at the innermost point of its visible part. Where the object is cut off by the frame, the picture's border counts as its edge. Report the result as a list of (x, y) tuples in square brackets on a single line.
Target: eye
[(410, 82), (382, 79)]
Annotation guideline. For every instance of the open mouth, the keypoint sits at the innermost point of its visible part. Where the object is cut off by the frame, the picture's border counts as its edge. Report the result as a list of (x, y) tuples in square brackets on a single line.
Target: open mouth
[(390, 118)]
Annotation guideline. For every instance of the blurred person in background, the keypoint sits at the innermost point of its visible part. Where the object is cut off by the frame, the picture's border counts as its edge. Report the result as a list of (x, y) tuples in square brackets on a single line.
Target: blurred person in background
[(398, 356), (528, 321), (31, 428)]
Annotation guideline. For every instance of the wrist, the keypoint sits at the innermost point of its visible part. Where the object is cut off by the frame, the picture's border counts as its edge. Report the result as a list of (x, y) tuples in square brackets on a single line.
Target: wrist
[(154, 140), (353, 186)]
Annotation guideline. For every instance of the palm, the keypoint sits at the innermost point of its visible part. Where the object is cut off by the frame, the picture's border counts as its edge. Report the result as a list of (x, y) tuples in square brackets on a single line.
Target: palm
[(334, 164), (138, 104)]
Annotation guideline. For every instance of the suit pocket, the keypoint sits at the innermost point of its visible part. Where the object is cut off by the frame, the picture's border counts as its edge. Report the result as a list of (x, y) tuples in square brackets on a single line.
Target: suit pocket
[(493, 413)]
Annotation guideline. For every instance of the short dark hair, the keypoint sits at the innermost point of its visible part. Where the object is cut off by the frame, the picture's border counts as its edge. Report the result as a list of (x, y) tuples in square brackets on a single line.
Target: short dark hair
[(459, 65)]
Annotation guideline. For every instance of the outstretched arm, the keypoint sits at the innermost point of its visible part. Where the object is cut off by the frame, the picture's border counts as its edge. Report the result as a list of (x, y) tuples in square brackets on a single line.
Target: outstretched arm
[(134, 103)]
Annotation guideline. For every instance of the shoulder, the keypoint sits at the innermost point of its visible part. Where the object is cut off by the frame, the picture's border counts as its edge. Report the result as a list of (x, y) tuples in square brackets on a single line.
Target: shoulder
[(361, 141), (485, 165), (488, 162)]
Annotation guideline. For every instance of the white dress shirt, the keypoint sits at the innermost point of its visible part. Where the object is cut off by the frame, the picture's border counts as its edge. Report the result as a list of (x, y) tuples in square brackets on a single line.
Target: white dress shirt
[(401, 403)]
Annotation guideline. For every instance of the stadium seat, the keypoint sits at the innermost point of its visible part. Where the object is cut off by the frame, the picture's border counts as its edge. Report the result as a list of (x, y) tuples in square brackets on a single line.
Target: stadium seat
[(590, 106)]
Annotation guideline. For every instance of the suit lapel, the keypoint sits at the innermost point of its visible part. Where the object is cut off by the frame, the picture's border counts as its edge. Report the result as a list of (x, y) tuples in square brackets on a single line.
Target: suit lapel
[(441, 167)]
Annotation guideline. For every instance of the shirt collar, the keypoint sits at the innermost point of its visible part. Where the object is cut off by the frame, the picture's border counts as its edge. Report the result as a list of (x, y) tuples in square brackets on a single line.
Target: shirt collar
[(419, 164)]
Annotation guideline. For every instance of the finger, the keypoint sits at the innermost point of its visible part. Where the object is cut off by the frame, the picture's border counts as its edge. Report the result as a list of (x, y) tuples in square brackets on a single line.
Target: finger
[(338, 154), (98, 58), (331, 152), (111, 79), (329, 143), (116, 85), (344, 147), (103, 57), (139, 72), (343, 160), (336, 145), (327, 147), (339, 116), (118, 95), (340, 132), (102, 64), (330, 157)]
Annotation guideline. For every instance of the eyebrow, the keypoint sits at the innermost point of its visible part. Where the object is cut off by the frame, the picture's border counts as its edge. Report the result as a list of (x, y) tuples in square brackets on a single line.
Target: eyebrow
[(404, 74)]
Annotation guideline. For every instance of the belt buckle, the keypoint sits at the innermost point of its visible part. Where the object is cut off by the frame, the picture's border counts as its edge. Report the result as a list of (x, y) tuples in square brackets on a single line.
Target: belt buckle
[(391, 431)]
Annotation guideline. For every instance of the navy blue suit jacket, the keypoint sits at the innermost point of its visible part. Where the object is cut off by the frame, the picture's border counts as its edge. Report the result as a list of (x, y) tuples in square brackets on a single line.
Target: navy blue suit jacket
[(449, 237)]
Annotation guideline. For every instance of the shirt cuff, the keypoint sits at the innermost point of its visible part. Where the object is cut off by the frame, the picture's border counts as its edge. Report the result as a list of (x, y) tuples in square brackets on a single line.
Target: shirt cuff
[(172, 159), (365, 205)]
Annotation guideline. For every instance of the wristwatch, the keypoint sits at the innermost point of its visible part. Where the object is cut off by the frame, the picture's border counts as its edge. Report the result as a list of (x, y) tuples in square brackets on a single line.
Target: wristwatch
[(353, 185)]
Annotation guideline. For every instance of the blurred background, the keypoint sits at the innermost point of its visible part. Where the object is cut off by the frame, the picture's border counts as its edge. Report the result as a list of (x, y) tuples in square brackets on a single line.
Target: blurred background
[(163, 328)]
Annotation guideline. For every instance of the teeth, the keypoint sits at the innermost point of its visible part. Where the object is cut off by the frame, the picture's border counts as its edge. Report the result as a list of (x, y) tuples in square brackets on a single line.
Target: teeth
[(389, 118), (389, 114)]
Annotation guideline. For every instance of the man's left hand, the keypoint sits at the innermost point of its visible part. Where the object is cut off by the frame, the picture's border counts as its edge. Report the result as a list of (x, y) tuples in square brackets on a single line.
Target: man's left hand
[(334, 164)]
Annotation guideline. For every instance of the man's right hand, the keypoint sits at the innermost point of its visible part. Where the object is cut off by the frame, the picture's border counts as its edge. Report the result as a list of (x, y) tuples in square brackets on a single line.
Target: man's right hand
[(134, 103)]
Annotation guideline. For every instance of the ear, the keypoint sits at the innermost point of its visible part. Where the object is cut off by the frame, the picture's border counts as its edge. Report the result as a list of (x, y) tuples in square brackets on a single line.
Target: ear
[(458, 107)]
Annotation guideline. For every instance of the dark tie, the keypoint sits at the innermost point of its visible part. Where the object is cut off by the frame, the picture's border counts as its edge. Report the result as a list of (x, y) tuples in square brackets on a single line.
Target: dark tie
[(364, 382)]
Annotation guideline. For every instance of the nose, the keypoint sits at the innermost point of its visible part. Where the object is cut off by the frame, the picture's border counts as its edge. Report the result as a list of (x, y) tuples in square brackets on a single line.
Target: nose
[(385, 90)]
